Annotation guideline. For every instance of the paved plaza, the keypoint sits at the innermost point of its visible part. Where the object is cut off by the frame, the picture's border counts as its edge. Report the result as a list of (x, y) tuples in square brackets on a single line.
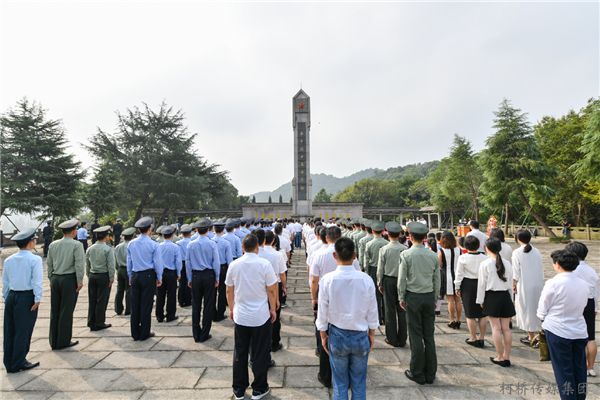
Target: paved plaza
[(110, 365)]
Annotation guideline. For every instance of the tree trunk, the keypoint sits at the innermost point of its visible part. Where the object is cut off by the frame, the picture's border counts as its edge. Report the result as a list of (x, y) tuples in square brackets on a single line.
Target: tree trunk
[(536, 216), (140, 208), (578, 216), (505, 219), (163, 216)]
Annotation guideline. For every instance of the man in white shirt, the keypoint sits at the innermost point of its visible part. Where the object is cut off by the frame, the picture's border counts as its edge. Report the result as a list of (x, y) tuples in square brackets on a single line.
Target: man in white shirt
[(347, 319), (277, 261), (252, 298), (478, 234), (324, 263)]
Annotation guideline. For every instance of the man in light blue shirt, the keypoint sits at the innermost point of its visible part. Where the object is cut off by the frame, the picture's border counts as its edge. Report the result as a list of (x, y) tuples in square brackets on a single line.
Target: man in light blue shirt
[(184, 294), (226, 257), (22, 293), (234, 240), (82, 235), (170, 254), (145, 271), (203, 269)]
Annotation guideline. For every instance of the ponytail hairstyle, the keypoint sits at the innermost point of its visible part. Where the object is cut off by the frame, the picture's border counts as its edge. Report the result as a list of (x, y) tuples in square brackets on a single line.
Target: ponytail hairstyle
[(524, 236), (494, 245)]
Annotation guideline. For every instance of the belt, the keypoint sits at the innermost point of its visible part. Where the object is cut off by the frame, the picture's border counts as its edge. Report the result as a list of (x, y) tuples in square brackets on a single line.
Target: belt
[(144, 270), (390, 276), (203, 270), (21, 291), (123, 266), (99, 273)]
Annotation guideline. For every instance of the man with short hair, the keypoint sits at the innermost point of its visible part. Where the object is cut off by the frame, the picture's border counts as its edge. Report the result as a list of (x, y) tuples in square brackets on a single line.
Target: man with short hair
[(94, 226), (145, 270), (252, 297), (48, 234), (170, 254), (66, 264), (233, 239), (123, 288), (203, 268), (347, 319), (100, 269), (418, 288), (372, 259), (82, 235), (184, 293), (118, 231), (22, 293), (225, 257), (478, 234)]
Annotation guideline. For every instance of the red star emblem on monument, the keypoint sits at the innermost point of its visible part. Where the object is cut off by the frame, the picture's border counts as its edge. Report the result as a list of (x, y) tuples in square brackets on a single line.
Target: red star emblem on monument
[(301, 106)]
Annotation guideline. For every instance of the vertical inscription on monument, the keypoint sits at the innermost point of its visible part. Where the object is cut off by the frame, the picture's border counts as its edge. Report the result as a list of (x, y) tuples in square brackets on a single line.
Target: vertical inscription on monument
[(301, 168)]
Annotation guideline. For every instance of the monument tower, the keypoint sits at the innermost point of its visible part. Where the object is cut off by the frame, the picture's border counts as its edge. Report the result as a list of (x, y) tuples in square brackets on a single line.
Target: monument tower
[(302, 182)]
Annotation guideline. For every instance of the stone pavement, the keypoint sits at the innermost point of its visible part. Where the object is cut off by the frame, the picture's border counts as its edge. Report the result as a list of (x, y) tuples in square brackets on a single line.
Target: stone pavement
[(110, 365)]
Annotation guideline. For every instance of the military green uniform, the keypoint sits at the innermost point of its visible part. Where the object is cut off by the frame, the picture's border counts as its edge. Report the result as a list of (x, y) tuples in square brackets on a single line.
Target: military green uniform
[(122, 279), (419, 285), (66, 263), (362, 250), (100, 269), (387, 278), (356, 238), (371, 259)]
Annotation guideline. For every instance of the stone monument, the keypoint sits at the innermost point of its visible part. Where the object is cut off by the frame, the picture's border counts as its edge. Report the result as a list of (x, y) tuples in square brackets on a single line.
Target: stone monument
[(302, 182)]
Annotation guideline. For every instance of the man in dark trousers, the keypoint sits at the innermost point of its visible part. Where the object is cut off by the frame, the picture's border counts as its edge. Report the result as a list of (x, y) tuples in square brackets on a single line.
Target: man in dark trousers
[(66, 263), (252, 297), (170, 254), (203, 269), (225, 257), (100, 269), (145, 269), (95, 226), (22, 292), (48, 234), (418, 288), (184, 293), (123, 288)]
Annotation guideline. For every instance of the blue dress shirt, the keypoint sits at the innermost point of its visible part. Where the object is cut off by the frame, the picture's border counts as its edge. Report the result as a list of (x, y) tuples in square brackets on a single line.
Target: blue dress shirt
[(202, 254), (225, 253), (183, 245), (142, 255), (211, 234), (82, 234), (239, 233), (195, 236), (236, 244), (170, 254), (23, 271)]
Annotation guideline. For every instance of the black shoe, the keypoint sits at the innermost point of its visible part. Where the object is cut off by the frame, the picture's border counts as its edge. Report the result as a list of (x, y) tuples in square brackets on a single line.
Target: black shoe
[(502, 363), (317, 353), (257, 395), (101, 327), (474, 343), (410, 376), (438, 313), (75, 343), (323, 381), (276, 347), (119, 313), (481, 344), (271, 364), (386, 340), (29, 365), (127, 313), (152, 334), (175, 318), (452, 324), (219, 318), (204, 340), (429, 381), (160, 320), (457, 325)]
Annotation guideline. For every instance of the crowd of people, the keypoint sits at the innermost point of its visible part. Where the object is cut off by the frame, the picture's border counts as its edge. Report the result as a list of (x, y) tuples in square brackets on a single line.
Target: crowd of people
[(362, 274)]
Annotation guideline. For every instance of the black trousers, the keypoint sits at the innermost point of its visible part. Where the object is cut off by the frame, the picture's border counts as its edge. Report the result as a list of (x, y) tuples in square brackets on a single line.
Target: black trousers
[(184, 294), (143, 287), (395, 316), (168, 291), (203, 293), (123, 291), (19, 321), (63, 298), (324, 366), (98, 294), (47, 242), (221, 294), (276, 337), (117, 240), (85, 244), (420, 317), (255, 340), (381, 312)]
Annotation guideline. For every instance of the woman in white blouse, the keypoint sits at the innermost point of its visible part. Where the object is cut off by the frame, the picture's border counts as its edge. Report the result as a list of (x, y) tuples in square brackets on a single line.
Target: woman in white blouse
[(467, 273), (494, 293), (448, 254), (506, 251), (528, 281), (561, 306)]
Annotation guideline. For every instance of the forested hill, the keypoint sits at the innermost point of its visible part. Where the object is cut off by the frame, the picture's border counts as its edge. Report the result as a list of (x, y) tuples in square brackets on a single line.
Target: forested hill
[(333, 184)]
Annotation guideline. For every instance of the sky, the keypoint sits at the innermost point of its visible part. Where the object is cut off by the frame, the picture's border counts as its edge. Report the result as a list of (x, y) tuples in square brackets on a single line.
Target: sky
[(390, 82)]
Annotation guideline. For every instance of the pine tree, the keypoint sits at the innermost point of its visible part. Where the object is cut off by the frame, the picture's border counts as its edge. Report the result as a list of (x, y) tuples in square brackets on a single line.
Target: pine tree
[(38, 174), (512, 164), (280, 199), (103, 194), (270, 200)]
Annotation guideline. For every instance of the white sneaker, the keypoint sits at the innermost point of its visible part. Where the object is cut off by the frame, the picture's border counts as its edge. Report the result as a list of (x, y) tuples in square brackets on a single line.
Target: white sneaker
[(591, 372), (258, 396)]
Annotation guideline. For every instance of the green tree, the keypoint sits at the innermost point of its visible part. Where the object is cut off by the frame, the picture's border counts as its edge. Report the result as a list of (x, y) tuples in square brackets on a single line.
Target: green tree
[(587, 168), (270, 200), (280, 199), (103, 194), (158, 166), (38, 174), (322, 196), (253, 199), (512, 164)]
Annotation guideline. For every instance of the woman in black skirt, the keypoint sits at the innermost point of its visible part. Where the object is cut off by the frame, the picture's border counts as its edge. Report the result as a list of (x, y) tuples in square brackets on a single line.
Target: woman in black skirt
[(494, 293), (467, 273)]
